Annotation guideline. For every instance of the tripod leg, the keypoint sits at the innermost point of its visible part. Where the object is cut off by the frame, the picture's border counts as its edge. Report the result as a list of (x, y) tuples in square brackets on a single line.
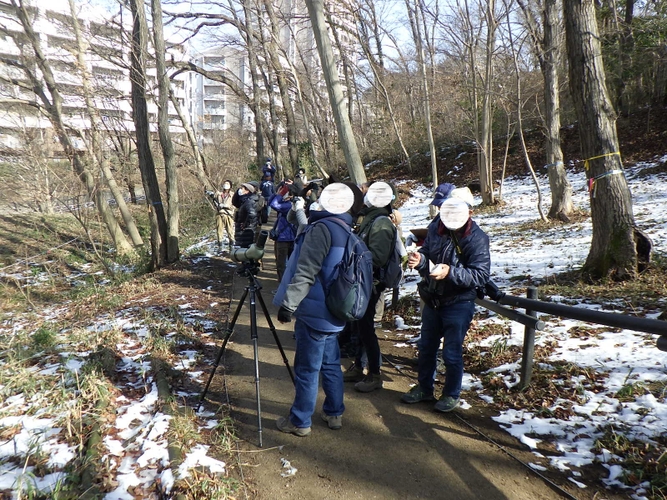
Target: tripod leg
[(255, 346), (227, 334), (275, 334)]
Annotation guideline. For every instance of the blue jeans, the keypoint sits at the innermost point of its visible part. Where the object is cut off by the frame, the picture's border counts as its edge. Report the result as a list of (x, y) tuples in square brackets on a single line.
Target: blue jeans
[(316, 352), (452, 323)]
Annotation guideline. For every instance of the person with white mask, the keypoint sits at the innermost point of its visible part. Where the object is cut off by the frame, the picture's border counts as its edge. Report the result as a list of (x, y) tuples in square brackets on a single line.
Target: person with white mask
[(379, 233), (453, 261), (224, 220)]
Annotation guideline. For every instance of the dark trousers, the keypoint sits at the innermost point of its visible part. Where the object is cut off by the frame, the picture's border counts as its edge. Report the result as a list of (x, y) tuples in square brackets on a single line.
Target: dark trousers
[(282, 251), (367, 336)]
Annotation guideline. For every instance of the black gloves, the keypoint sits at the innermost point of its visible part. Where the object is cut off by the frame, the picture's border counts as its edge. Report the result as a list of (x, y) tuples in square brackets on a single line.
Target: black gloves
[(284, 315)]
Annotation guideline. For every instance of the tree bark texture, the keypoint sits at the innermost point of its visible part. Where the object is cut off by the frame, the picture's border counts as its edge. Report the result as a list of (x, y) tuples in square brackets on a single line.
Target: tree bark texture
[(561, 190), (613, 250), (171, 173), (336, 98), (158, 221)]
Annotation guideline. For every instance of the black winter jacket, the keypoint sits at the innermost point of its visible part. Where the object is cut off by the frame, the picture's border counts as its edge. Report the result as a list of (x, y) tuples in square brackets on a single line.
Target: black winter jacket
[(247, 216), (469, 268)]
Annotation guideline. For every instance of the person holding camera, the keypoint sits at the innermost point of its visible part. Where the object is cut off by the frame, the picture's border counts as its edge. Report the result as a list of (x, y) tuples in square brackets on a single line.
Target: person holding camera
[(310, 271), (224, 219), (453, 261), (283, 232)]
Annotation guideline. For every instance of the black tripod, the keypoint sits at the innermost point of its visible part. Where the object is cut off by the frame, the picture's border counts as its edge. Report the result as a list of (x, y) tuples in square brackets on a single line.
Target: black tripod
[(249, 269)]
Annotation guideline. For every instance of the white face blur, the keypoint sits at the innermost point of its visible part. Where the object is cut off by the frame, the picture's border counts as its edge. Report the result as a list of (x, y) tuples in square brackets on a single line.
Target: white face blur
[(454, 213), (226, 186)]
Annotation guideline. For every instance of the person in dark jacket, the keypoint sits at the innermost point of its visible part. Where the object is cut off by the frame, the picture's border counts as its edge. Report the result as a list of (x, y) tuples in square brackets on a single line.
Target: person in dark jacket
[(379, 233), (453, 261), (267, 189), (284, 232), (269, 168), (247, 217), (301, 293)]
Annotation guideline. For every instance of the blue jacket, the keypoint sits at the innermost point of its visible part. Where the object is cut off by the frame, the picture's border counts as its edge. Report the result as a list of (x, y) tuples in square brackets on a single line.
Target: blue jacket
[(310, 270), (468, 270), (267, 189), (285, 230)]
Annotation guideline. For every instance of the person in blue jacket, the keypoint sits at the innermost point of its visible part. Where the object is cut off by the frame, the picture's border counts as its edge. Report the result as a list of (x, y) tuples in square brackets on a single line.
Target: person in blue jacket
[(283, 232), (453, 261), (301, 293)]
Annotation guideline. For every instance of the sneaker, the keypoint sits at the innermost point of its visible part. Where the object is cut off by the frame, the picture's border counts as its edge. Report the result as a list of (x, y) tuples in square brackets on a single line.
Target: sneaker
[(417, 394), (369, 383), (354, 373), (334, 423), (446, 404), (285, 425)]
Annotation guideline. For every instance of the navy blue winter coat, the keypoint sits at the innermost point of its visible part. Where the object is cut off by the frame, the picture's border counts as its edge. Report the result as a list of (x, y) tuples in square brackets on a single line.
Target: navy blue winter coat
[(309, 271), (284, 230), (468, 270)]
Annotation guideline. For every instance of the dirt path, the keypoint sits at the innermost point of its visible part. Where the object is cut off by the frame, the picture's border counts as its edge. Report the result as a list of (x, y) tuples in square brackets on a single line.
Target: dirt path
[(385, 449)]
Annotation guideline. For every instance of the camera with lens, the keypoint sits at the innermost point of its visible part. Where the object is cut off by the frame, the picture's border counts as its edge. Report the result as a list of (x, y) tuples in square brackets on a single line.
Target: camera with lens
[(253, 253)]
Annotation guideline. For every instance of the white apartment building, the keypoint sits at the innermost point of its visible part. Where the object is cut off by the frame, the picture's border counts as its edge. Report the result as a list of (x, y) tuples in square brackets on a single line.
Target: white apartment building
[(211, 105), (107, 62)]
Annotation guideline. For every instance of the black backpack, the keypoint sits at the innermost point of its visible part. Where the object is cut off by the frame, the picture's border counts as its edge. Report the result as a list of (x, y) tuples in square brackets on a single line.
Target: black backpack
[(391, 274), (348, 293)]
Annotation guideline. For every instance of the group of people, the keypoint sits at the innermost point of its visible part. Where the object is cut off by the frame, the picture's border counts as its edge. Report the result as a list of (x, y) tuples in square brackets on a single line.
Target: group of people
[(453, 262), (240, 213)]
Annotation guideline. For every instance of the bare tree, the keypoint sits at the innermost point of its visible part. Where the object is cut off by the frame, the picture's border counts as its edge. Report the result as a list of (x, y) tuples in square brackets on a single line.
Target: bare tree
[(348, 143), (416, 15), (96, 149), (51, 103), (547, 49), (515, 49), (158, 221), (173, 209), (615, 243)]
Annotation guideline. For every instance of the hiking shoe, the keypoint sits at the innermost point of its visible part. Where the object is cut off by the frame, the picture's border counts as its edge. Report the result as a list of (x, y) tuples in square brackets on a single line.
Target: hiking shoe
[(354, 373), (334, 423), (369, 383), (446, 404), (417, 394), (285, 425)]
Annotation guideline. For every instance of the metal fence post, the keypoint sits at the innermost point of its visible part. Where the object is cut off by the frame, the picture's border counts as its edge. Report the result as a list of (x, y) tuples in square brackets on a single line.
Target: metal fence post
[(528, 345)]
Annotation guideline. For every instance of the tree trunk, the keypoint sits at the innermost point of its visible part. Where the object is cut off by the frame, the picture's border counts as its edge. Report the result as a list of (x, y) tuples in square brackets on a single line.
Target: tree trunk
[(613, 251), (171, 173), (96, 152), (415, 23), (271, 48), (336, 98), (199, 170), (519, 120), (486, 147), (54, 110), (157, 218), (546, 45), (250, 41)]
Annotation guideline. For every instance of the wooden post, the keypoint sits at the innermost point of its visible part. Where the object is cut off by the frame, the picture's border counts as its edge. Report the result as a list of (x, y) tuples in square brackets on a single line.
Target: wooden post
[(528, 345)]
